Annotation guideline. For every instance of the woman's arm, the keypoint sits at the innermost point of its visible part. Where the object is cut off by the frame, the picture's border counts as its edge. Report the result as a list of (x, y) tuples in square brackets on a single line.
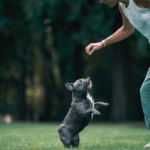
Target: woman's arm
[(126, 30)]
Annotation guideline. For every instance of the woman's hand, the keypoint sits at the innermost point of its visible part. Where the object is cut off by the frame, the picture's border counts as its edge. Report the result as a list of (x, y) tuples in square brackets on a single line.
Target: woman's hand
[(91, 48)]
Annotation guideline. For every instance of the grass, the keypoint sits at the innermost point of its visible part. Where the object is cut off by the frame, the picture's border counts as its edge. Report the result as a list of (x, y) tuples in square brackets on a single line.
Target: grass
[(93, 137)]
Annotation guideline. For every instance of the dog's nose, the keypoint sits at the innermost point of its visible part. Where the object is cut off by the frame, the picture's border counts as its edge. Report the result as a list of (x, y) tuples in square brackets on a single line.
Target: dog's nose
[(88, 78)]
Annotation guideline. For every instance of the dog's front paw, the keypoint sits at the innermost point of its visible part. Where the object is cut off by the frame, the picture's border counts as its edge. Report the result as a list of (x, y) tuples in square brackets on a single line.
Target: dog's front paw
[(96, 112)]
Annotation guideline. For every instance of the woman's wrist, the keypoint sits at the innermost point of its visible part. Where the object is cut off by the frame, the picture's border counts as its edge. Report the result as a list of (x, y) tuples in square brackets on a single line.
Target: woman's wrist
[(101, 44), (104, 44)]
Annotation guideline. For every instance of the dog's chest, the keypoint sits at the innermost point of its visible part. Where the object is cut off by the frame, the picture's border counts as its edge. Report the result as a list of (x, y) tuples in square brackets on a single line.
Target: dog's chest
[(89, 98), (91, 103)]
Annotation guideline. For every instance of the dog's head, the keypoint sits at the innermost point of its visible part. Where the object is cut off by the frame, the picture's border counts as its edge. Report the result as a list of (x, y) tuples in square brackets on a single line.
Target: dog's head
[(80, 87)]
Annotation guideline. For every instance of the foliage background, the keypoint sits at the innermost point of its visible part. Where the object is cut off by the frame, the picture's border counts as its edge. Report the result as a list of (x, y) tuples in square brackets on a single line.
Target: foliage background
[(42, 47)]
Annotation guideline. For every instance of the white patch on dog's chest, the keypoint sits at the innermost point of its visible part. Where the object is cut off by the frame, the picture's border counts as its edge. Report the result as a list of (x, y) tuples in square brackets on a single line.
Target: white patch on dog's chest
[(90, 99)]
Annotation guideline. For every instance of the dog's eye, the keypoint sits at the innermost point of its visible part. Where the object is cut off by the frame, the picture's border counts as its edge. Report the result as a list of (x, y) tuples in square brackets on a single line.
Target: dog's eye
[(80, 80)]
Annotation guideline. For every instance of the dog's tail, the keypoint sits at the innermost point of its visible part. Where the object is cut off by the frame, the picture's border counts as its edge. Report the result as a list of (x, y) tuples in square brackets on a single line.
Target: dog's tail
[(60, 128)]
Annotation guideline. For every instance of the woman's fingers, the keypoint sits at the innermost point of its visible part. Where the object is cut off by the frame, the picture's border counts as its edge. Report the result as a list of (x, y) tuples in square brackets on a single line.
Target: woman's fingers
[(92, 51), (89, 48)]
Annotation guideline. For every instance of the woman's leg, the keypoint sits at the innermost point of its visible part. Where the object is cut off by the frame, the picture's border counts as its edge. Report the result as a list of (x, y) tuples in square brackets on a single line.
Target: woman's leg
[(145, 98)]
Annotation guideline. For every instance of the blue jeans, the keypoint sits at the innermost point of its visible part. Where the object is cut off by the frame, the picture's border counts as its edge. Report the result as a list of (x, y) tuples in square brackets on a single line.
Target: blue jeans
[(145, 98)]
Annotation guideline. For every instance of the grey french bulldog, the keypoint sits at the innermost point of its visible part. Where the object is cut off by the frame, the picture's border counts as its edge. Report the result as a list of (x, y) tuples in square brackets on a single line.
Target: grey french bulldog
[(81, 112)]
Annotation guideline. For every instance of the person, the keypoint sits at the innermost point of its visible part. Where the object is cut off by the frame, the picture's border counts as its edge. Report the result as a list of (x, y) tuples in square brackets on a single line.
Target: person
[(135, 14)]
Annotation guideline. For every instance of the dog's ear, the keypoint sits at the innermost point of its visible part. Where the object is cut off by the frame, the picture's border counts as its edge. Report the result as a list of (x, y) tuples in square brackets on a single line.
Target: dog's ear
[(69, 86)]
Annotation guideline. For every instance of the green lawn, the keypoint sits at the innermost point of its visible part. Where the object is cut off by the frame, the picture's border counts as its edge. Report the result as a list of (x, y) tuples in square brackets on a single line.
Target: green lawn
[(94, 137)]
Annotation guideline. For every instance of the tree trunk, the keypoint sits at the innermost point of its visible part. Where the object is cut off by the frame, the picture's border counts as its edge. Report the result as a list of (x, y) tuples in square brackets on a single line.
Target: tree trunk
[(21, 94), (118, 106)]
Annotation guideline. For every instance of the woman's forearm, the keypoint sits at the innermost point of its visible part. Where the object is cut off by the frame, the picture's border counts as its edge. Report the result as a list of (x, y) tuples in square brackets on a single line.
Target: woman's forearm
[(119, 35)]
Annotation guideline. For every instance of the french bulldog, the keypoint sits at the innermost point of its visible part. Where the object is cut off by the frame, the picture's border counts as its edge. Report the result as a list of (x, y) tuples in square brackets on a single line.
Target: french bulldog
[(80, 114)]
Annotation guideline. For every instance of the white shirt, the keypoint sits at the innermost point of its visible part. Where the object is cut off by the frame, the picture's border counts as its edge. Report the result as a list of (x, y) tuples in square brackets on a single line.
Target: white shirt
[(138, 17)]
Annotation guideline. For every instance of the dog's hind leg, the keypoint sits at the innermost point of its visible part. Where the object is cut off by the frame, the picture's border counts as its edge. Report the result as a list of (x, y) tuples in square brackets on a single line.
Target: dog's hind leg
[(65, 136), (75, 141)]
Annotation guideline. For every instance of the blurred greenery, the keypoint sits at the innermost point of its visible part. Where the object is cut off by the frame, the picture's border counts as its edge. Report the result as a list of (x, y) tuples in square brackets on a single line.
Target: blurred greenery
[(43, 47), (94, 137)]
